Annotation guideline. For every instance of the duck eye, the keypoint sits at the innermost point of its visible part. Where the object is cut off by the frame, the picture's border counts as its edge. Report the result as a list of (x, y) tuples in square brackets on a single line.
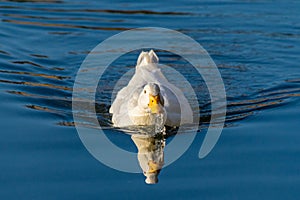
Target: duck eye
[(144, 91), (152, 101)]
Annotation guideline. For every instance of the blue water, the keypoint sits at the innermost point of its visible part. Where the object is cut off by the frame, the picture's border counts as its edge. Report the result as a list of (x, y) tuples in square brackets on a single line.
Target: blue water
[(255, 45)]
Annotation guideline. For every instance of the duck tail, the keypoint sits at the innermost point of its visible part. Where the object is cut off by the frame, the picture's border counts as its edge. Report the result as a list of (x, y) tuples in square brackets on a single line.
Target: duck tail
[(146, 58)]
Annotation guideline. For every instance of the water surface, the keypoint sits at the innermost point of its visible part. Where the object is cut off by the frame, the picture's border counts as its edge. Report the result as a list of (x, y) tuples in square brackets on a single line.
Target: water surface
[(255, 45)]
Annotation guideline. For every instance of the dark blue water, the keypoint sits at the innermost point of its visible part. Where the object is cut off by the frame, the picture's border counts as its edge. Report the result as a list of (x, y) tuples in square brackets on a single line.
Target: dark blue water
[(255, 45)]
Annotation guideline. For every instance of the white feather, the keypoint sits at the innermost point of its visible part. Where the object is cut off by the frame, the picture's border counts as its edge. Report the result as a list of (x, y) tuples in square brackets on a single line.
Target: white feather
[(130, 105)]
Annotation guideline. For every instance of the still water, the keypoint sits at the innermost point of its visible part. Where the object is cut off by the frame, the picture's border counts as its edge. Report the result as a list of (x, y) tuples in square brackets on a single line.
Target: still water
[(255, 45)]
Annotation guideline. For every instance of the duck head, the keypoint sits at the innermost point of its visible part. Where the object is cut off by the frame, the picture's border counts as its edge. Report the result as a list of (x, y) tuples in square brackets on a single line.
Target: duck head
[(151, 98)]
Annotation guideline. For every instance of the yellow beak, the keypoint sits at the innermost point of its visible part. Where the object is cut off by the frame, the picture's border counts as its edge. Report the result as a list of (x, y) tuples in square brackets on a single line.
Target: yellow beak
[(154, 103), (153, 167)]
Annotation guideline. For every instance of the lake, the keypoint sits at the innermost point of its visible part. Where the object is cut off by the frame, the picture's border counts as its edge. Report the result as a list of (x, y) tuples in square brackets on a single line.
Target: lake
[(255, 45)]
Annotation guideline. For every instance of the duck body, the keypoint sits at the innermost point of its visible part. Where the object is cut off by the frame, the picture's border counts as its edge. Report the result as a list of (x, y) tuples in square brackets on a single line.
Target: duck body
[(147, 94)]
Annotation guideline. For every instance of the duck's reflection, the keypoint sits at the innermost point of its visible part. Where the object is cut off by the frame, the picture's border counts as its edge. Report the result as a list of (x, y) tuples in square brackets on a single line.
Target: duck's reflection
[(150, 155)]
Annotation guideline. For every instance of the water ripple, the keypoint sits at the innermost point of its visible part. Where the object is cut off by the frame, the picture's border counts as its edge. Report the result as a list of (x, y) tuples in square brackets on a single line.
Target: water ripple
[(47, 85), (64, 25), (256, 58), (130, 12)]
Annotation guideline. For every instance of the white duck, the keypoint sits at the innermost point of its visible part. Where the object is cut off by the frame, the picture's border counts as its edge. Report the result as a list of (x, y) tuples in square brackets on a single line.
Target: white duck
[(149, 93)]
